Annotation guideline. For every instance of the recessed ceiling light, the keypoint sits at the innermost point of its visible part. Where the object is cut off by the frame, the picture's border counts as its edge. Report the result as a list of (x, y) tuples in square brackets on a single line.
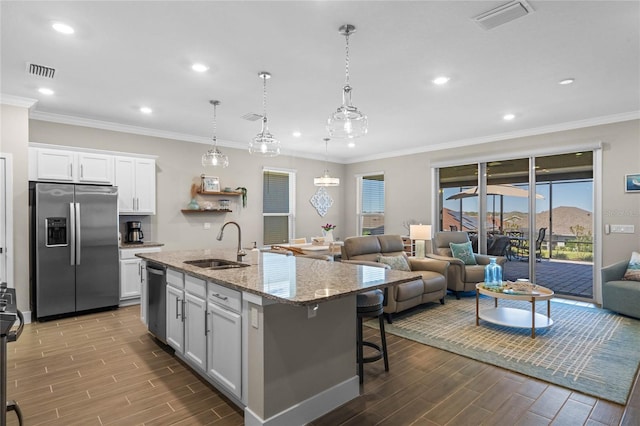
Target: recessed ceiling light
[(146, 110), (351, 144), (46, 91), (296, 134), (199, 67), (441, 80), (62, 28), (508, 117), (567, 81)]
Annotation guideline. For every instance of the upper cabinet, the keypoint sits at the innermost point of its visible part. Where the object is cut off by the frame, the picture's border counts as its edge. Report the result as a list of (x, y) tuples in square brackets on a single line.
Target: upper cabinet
[(68, 166), (136, 182), (135, 176)]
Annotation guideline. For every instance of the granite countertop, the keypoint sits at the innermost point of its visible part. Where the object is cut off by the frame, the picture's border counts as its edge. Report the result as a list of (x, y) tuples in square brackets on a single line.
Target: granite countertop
[(140, 245), (285, 279)]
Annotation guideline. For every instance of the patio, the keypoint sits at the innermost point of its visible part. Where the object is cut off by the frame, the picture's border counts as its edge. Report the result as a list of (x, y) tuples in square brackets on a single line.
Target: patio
[(561, 276)]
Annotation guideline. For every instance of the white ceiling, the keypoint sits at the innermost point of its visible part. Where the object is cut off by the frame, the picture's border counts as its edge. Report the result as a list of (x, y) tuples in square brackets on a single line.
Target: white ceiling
[(127, 54)]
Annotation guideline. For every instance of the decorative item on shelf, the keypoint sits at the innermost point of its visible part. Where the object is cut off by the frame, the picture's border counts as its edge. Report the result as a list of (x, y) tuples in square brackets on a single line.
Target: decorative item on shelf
[(207, 205), (493, 274), (244, 195), (321, 200), (209, 184), (347, 121), (214, 157), (193, 204), (327, 232), (224, 204), (326, 179), (264, 143)]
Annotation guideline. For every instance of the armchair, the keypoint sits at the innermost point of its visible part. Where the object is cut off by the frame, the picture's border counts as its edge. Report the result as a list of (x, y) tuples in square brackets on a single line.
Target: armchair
[(432, 287), (461, 277), (619, 295)]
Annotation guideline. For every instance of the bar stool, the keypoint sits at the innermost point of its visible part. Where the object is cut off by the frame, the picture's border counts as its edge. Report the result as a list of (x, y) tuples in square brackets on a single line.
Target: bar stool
[(370, 305)]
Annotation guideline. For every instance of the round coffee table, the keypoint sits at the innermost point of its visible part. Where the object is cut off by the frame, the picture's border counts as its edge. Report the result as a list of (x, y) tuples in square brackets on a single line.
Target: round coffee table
[(514, 317)]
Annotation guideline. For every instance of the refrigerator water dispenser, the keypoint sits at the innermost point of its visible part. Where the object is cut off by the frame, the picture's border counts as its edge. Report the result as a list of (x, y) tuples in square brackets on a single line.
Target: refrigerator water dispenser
[(56, 231)]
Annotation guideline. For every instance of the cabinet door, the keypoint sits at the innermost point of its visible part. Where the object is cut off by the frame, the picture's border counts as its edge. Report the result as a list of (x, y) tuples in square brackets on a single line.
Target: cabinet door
[(224, 359), (95, 168), (195, 339), (130, 277), (125, 178), (175, 318), (145, 192), (53, 164)]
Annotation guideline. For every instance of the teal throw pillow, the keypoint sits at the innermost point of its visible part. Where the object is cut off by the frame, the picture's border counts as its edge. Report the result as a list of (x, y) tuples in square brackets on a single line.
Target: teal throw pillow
[(463, 252), (395, 262), (633, 270)]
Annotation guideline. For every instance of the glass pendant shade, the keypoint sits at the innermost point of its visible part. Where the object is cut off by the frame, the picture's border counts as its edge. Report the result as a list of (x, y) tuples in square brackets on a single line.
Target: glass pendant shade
[(264, 143), (214, 157), (326, 179), (347, 122)]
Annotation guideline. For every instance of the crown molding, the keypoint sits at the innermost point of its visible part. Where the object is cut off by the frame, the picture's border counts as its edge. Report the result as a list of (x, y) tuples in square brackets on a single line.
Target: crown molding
[(17, 101)]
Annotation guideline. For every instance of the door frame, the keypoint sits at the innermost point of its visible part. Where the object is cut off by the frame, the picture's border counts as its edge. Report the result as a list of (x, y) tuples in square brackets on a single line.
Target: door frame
[(7, 204)]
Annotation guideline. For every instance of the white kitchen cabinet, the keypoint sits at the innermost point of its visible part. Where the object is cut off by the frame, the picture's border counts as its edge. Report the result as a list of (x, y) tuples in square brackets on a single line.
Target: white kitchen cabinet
[(195, 340), (175, 318), (132, 272), (136, 182), (58, 165), (224, 337)]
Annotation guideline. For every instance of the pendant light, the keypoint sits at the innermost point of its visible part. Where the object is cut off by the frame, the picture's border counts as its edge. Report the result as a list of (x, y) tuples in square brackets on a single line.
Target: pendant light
[(326, 179), (214, 157), (347, 121), (264, 143)]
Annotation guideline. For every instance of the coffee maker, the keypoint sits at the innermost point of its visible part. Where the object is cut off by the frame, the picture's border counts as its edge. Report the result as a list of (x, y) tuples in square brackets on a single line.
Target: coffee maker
[(134, 232)]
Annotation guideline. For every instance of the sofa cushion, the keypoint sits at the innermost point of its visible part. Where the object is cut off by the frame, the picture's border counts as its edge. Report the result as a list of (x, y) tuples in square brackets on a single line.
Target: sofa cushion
[(633, 270), (408, 291), (395, 262), (474, 274), (464, 252)]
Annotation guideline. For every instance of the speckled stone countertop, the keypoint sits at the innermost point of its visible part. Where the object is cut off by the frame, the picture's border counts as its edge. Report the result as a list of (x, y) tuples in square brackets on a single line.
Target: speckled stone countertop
[(138, 245), (286, 279)]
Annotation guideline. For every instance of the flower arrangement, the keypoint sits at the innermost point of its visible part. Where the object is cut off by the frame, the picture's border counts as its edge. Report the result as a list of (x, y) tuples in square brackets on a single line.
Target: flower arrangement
[(328, 227)]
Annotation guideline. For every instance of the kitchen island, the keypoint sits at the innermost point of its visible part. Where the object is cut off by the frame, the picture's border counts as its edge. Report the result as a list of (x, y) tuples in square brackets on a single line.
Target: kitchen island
[(297, 325)]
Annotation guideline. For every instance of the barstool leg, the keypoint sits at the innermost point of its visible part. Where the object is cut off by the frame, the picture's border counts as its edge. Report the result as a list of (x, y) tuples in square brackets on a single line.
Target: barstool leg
[(383, 338), (360, 350)]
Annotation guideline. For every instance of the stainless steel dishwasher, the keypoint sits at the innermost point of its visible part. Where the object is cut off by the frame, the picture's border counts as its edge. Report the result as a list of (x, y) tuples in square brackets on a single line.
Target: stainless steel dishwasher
[(157, 308)]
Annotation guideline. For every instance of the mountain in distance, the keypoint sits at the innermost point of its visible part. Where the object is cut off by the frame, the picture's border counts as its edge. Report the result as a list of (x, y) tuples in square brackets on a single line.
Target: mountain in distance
[(564, 218)]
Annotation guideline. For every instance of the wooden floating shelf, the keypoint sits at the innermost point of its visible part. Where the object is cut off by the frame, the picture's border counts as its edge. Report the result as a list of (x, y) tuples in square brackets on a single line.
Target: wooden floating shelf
[(206, 211), (220, 193)]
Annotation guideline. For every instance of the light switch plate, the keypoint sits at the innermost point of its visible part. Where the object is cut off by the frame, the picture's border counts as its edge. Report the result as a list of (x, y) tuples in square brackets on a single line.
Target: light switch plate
[(622, 229)]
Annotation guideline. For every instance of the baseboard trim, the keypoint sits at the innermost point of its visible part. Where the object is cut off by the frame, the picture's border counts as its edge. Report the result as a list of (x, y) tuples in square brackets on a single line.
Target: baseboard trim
[(311, 408)]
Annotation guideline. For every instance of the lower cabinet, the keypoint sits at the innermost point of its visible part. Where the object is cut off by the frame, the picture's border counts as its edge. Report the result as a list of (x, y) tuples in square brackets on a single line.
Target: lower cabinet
[(204, 326), (224, 344), (132, 272)]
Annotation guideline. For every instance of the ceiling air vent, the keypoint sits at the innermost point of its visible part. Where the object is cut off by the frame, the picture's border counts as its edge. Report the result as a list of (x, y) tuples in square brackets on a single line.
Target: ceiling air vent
[(250, 116), (40, 70), (503, 14)]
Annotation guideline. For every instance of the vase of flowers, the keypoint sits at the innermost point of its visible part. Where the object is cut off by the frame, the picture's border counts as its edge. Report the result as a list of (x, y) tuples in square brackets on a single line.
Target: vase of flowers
[(327, 232)]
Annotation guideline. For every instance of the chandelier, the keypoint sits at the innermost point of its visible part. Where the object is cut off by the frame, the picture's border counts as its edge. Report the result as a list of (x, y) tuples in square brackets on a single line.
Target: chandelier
[(326, 179), (347, 121), (214, 157), (264, 143)]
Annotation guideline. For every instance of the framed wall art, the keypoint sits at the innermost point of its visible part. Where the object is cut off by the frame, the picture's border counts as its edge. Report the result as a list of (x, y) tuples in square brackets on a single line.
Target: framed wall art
[(632, 183), (210, 184)]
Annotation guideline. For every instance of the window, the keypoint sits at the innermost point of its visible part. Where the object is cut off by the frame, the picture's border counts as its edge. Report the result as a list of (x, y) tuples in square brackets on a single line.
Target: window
[(371, 204), (278, 195)]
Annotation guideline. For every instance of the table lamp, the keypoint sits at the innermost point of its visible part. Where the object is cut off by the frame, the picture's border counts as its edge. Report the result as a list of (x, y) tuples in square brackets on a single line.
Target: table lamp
[(420, 234)]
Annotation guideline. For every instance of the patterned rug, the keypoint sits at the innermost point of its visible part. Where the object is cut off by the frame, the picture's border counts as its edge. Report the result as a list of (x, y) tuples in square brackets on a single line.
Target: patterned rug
[(589, 350)]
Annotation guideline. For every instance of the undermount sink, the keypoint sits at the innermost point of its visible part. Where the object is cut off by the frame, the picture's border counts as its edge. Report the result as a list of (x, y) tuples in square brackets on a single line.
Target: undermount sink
[(215, 263)]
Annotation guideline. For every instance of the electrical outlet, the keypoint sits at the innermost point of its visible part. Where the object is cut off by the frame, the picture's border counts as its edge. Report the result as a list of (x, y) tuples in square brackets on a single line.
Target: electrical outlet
[(207, 225)]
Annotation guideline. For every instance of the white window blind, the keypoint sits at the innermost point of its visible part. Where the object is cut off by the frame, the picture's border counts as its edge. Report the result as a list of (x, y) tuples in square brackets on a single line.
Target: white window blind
[(277, 206), (371, 214)]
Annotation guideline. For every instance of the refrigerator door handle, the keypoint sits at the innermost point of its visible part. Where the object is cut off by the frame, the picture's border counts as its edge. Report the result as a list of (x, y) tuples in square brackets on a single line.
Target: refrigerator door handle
[(78, 233), (72, 232)]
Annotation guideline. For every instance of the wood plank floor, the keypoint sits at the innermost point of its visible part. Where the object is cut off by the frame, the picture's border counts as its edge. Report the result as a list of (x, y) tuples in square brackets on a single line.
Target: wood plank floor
[(104, 368)]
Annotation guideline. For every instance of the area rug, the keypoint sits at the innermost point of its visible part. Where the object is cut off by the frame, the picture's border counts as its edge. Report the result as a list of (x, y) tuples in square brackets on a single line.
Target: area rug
[(589, 350)]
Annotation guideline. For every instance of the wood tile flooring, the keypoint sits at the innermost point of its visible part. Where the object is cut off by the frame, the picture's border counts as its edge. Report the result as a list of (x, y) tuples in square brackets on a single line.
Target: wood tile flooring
[(104, 368)]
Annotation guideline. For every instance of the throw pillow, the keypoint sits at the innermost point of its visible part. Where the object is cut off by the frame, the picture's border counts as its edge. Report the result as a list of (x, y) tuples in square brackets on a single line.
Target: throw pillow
[(463, 252), (633, 270), (395, 262)]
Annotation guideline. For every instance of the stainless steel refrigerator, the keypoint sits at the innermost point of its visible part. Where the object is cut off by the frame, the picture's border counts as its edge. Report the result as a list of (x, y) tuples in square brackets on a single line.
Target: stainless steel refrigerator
[(74, 248)]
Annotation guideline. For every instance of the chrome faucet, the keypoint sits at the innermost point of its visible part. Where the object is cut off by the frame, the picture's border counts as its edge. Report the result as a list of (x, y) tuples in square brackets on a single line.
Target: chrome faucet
[(241, 252)]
